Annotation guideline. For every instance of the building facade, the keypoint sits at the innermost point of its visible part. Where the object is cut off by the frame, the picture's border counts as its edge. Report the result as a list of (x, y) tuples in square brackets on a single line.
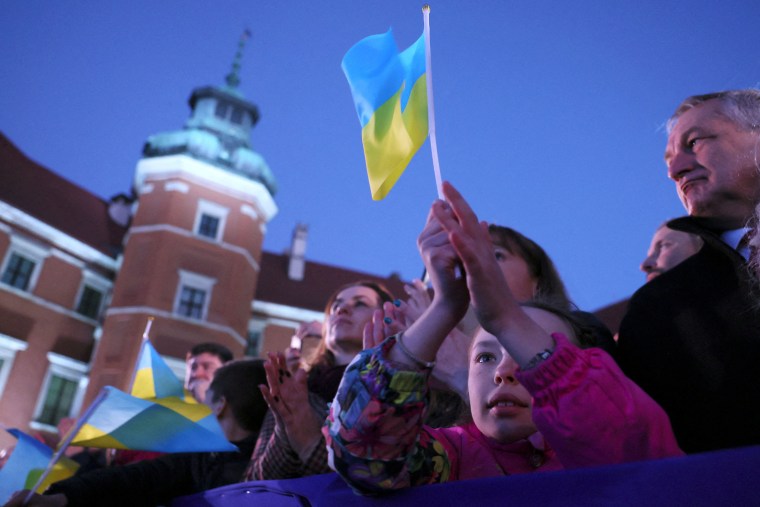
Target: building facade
[(80, 275)]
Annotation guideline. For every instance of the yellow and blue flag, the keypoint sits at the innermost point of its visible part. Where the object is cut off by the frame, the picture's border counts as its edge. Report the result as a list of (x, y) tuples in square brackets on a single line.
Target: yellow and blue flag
[(154, 378), (28, 460), (159, 415), (390, 95), (121, 421)]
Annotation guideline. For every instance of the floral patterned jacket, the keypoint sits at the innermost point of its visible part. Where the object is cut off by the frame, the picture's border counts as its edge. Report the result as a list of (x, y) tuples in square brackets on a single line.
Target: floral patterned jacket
[(588, 413)]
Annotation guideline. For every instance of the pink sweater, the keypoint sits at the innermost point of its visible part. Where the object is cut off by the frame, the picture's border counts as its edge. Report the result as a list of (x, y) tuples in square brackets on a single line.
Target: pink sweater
[(587, 412), (584, 407)]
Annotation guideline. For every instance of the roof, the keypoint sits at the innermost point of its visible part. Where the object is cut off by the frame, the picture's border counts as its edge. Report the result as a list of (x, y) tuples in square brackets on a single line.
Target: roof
[(318, 284), (57, 202), (61, 204)]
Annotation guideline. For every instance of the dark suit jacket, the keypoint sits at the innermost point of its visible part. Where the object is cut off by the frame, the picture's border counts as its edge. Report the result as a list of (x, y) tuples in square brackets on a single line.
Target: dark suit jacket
[(691, 339), (156, 481)]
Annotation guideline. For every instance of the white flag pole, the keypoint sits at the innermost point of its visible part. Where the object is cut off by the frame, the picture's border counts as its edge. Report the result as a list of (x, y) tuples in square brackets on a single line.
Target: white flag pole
[(431, 110)]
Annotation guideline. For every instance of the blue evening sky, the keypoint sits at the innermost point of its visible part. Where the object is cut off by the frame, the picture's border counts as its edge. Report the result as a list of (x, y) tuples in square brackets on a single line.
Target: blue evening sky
[(549, 114)]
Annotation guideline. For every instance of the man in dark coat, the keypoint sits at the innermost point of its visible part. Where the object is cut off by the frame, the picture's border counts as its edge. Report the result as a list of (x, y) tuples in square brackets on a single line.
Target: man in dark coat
[(691, 336)]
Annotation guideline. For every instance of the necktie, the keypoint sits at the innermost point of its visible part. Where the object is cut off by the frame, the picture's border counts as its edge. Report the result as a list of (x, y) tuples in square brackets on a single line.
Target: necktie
[(746, 244)]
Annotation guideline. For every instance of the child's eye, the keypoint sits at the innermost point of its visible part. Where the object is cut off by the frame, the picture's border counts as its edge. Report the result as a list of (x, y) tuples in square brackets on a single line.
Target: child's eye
[(499, 255), (484, 357)]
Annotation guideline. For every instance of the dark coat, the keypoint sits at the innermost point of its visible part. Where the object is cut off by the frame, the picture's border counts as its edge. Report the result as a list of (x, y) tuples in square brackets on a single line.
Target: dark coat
[(156, 481), (691, 339)]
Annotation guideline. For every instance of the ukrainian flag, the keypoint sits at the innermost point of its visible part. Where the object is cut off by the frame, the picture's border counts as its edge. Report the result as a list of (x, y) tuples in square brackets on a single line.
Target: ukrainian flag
[(154, 378), (121, 421), (390, 95), (160, 415), (28, 461)]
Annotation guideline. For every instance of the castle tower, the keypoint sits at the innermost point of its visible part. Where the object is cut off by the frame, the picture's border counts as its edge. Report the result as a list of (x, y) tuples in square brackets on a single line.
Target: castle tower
[(192, 253)]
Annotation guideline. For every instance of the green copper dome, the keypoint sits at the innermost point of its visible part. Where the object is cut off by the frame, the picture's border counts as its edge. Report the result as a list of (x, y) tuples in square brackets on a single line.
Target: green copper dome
[(218, 131)]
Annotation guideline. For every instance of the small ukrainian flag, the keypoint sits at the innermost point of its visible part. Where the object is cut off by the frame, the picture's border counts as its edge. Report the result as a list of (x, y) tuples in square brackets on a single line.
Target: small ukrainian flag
[(390, 95)]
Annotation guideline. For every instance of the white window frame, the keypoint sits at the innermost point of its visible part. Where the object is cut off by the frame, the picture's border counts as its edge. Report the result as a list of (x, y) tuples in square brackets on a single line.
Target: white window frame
[(257, 325), (97, 282), (69, 369), (214, 210), (9, 346), (32, 251), (193, 281)]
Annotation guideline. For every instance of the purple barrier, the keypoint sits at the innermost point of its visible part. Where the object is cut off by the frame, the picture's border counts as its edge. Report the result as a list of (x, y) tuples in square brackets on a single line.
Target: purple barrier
[(718, 478)]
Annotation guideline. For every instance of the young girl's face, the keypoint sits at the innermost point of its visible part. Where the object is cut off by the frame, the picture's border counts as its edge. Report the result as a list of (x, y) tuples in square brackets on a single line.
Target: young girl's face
[(500, 405)]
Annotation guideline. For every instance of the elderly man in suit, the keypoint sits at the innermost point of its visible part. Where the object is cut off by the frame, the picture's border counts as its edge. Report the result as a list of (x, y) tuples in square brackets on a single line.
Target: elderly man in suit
[(691, 336)]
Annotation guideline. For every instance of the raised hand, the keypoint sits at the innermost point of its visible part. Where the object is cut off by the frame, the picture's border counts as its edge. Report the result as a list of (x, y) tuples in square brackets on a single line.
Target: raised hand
[(490, 295), (288, 397), (419, 300), (385, 322), (442, 263), (495, 307)]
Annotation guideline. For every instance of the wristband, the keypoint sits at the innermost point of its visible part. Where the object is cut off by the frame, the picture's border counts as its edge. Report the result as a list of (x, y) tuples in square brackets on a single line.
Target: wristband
[(425, 365), (538, 358)]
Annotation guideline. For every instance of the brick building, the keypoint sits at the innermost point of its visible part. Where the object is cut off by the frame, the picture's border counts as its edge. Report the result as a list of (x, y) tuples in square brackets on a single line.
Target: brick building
[(80, 275)]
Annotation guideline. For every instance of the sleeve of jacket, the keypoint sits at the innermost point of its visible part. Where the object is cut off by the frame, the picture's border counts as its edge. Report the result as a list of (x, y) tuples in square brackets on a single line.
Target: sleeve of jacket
[(591, 413), (375, 437)]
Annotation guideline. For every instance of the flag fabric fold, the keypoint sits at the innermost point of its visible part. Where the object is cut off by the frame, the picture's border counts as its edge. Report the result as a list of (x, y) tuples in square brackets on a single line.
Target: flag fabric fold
[(121, 421), (390, 95), (154, 378), (160, 414), (28, 460)]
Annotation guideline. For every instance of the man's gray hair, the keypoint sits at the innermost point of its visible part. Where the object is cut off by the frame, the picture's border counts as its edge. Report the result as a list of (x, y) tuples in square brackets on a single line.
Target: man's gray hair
[(741, 107)]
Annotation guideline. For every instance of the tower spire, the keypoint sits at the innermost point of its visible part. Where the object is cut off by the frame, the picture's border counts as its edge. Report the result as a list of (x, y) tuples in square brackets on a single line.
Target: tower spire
[(233, 78)]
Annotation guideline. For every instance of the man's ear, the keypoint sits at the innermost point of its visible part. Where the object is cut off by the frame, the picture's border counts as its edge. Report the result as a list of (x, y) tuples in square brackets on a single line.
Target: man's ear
[(219, 406)]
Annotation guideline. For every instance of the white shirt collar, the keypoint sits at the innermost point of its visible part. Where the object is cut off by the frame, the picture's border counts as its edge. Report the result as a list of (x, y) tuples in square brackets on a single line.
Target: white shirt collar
[(732, 239)]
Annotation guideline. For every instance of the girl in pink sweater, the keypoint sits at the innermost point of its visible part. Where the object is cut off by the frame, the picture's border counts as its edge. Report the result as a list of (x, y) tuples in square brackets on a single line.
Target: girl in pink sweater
[(538, 402)]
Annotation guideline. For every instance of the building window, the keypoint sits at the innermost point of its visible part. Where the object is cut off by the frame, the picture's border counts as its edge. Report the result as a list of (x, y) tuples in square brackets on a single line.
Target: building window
[(222, 109), (92, 294), (255, 337), (210, 219), (209, 226), (18, 272), (9, 346), (62, 391), (22, 264), (89, 302), (58, 400), (193, 295), (253, 343), (191, 302), (237, 116)]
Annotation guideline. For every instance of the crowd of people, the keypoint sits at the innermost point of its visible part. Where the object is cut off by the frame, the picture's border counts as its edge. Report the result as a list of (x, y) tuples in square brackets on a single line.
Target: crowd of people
[(491, 370)]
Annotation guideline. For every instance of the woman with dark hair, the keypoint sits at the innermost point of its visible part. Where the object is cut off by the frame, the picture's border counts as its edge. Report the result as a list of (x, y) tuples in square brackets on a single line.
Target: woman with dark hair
[(530, 272), (290, 442), (532, 278)]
